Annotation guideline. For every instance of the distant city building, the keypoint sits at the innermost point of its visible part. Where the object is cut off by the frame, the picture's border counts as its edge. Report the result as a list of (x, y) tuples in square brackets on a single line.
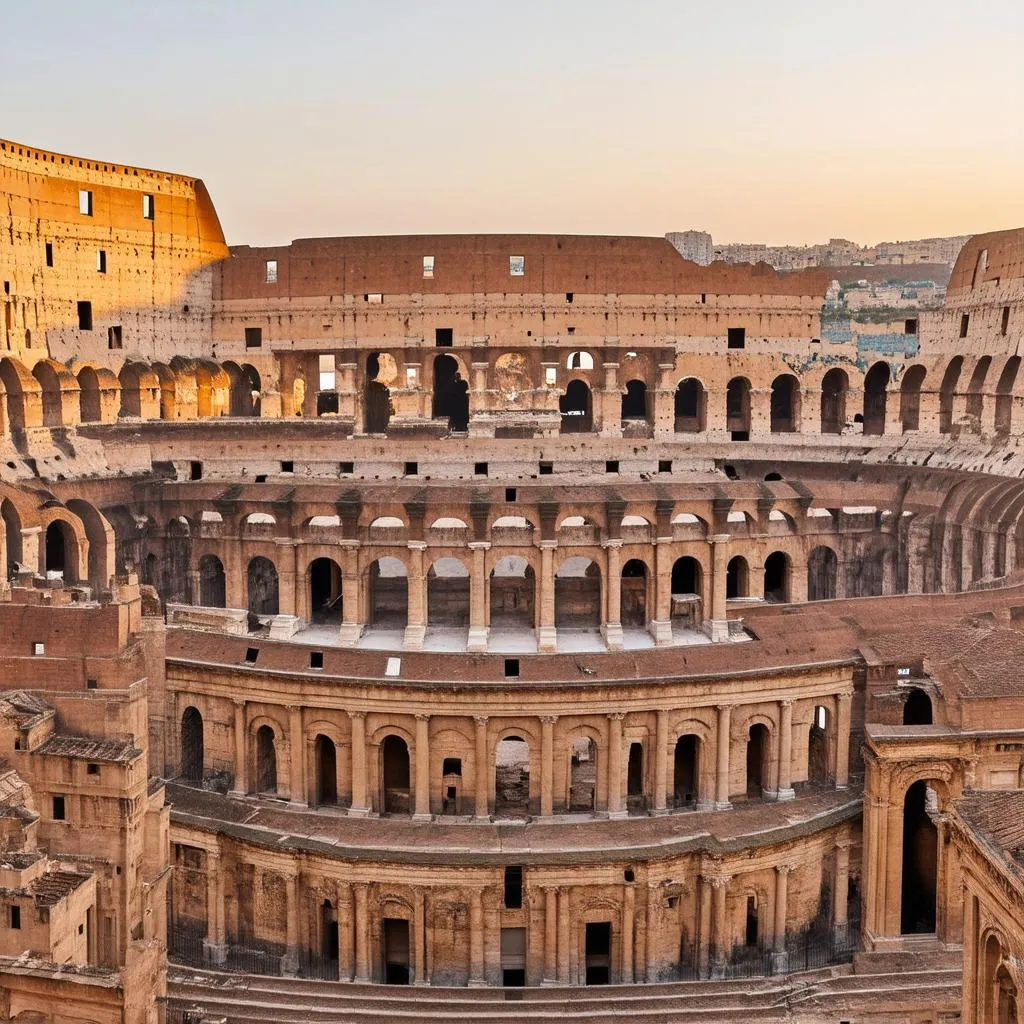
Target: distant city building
[(693, 245)]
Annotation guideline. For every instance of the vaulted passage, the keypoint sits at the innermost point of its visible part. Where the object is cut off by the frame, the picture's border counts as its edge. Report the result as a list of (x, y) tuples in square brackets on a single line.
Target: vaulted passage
[(326, 764), (910, 398), (633, 594), (387, 593), (920, 863), (690, 406), (451, 394), (578, 594), (737, 581), (834, 386), (212, 585), (324, 591), (377, 410), (918, 708), (448, 593), (192, 745), (394, 773), (821, 574), (776, 577), (512, 594), (686, 771), (785, 404), (263, 587), (876, 383), (575, 409), (635, 777)]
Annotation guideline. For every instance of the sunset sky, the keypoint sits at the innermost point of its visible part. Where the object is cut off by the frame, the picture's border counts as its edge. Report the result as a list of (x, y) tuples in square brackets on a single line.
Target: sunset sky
[(780, 122)]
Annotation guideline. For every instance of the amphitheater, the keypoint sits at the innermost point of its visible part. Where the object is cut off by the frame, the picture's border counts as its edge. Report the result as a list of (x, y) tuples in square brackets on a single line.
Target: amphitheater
[(497, 628)]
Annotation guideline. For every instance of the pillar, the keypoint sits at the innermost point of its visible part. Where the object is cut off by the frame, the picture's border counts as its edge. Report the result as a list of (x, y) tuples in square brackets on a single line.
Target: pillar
[(661, 762), (722, 751), (719, 952), (841, 890), (214, 946), (612, 626), (359, 807), (614, 779), (241, 786), (419, 938), (703, 937), (297, 759), (550, 936), (784, 791), (780, 958), (843, 703), (290, 960), (351, 627), (476, 938), (546, 640), (478, 581), (362, 933), (346, 933), (547, 764), (480, 773), (564, 936), (798, 582), (416, 624), (651, 923), (422, 811), (628, 912), (717, 626), (287, 577), (660, 625)]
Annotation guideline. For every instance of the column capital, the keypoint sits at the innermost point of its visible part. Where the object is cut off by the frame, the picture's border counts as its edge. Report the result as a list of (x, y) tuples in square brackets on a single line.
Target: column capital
[(479, 545), (612, 542), (616, 716), (549, 719), (547, 545), (357, 714), (719, 538), (717, 881), (785, 869), (416, 545), (481, 719), (723, 708), (844, 843), (239, 702), (844, 698), (787, 702), (421, 717)]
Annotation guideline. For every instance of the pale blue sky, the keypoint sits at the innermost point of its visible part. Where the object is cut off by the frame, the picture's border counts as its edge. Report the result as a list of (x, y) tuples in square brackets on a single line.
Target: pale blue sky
[(782, 122)]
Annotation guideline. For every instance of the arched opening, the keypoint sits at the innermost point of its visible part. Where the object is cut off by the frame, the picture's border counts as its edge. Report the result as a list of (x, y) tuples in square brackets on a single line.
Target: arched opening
[(737, 408), (686, 590), (947, 393), (917, 709), (737, 580), (512, 777), (785, 404), (329, 945), (266, 761), (377, 396), (513, 587), (834, 386), (324, 591), (168, 391), (817, 747), (131, 390), (387, 593), (395, 935), (50, 391), (686, 771), (757, 761), (690, 406), (326, 758), (575, 408), (988, 969), (245, 396), (394, 774), (448, 593), (89, 405), (776, 577), (751, 929), (910, 398), (920, 863), (212, 582), (175, 582), (1006, 997), (451, 394), (976, 391), (876, 384), (263, 587), (1004, 395), (583, 775), (578, 594), (61, 551), (822, 567), (635, 796), (633, 594), (634, 403), (12, 537), (192, 745), (12, 386)]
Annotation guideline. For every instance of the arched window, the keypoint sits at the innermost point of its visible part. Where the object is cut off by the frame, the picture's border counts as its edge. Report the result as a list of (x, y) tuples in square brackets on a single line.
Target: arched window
[(395, 795), (192, 745), (920, 863), (326, 771), (821, 574), (1004, 395), (947, 393), (266, 760), (785, 404), (834, 386), (776, 577), (451, 394), (578, 594), (387, 593), (634, 401), (212, 585), (910, 398), (324, 591), (448, 593), (917, 709), (737, 583), (263, 587), (817, 747), (512, 777), (758, 749), (690, 406), (737, 408), (579, 361), (377, 396), (876, 384), (633, 594), (575, 409)]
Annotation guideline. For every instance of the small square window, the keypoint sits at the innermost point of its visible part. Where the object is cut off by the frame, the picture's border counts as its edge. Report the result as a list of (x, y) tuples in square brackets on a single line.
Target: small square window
[(510, 494), (58, 809), (374, 298), (49, 254), (92, 684), (428, 266), (511, 668), (443, 337), (513, 887), (81, 929), (570, 330), (346, 467), (195, 470), (611, 466), (101, 261), (546, 468), (85, 202), (261, 478), (965, 323), (92, 769), (517, 266), (85, 316), (271, 271), (480, 469), (147, 206), (664, 465), (287, 466), (114, 337), (316, 659), (251, 654), (254, 337), (569, 296), (910, 326), (737, 337), (550, 376), (38, 649), (412, 468)]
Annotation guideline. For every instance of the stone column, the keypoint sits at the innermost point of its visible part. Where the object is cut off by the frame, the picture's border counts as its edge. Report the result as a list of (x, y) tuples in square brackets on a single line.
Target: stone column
[(547, 765), (480, 811), (351, 627), (780, 958), (784, 790), (719, 952), (478, 581), (703, 936), (290, 960), (419, 975), (362, 931), (628, 911), (416, 625), (843, 740), (612, 627), (798, 582), (661, 762), (422, 812), (660, 625), (722, 751), (614, 778), (476, 938), (550, 936), (290, 602), (360, 807), (214, 946), (547, 637), (346, 933), (297, 759), (717, 626), (651, 925), (841, 889), (564, 935), (241, 786)]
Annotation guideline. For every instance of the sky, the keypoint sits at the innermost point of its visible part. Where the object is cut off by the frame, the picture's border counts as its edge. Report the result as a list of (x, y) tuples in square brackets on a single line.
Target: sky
[(779, 122)]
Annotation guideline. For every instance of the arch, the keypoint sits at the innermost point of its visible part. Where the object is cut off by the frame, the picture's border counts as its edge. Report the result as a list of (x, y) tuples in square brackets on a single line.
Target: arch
[(387, 593), (60, 551), (777, 577), (376, 393), (90, 405), (947, 393), (876, 385), (818, 759), (687, 588), (737, 408), (512, 597), (330, 938), (976, 390), (140, 390), (12, 536), (325, 757), (263, 588), (448, 593), (387, 523), (737, 578), (822, 571), (212, 582), (266, 760), (101, 543), (635, 788), (395, 796), (920, 863), (834, 386), (785, 404), (910, 397), (691, 403), (686, 770), (578, 593), (1004, 395), (583, 774), (192, 745), (634, 405), (451, 394), (576, 410), (18, 385), (323, 579), (633, 594), (758, 753), (245, 389), (579, 361), (512, 776), (917, 708)]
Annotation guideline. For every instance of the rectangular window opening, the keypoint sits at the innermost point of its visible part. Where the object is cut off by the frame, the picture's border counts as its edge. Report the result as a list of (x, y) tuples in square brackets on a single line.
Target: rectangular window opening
[(114, 336), (737, 337), (271, 271), (511, 668), (664, 465), (101, 261), (287, 466), (261, 478), (569, 296), (513, 887), (195, 471), (550, 376), (346, 467), (428, 266), (373, 298), (251, 654), (92, 769), (480, 469), (85, 316), (412, 468), (517, 266), (49, 254), (546, 468), (254, 337), (85, 202), (965, 323), (316, 659), (611, 466), (147, 206), (443, 337), (510, 494), (38, 649), (910, 326), (1004, 326), (58, 808), (15, 917), (92, 684)]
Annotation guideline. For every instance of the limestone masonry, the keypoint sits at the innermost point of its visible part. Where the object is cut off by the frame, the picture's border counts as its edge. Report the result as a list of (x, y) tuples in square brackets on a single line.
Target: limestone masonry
[(450, 627)]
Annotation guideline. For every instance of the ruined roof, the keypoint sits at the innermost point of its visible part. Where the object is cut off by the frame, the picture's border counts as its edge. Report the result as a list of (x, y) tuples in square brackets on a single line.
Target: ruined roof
[(996, 817), (22, 706), (89, 749)]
